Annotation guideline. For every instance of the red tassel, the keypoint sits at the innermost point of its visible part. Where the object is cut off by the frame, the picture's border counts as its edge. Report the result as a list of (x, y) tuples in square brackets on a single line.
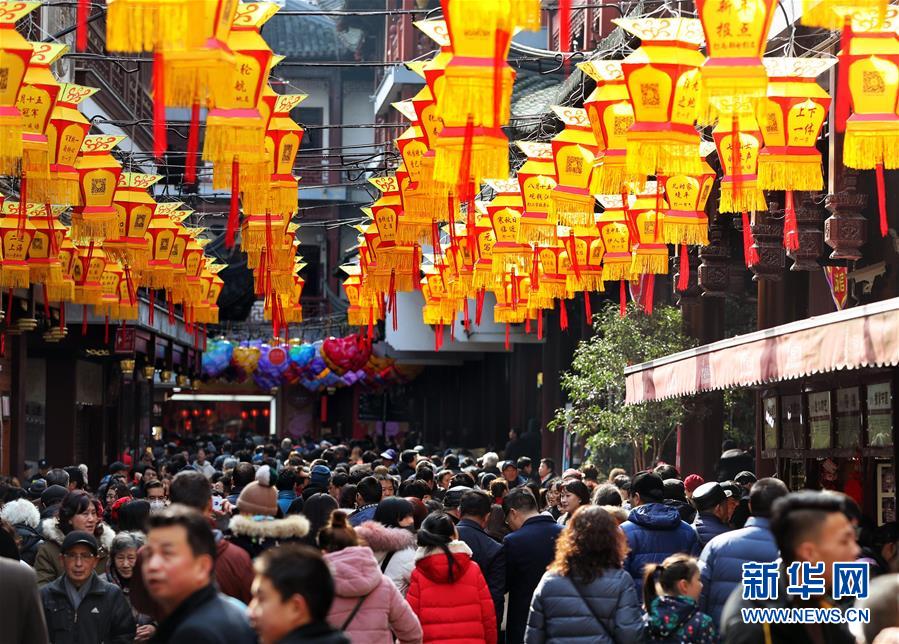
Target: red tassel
[(83, 12), (391, 304), (500, 43), (622, 300), (563, 315), (193, 144), (683, 278), (535, 270), (750, 254), (527, 325), (508, 334), (23, 201), (438, 337), (791, 229), (881, 199), (452, 327), (84, 319), (649, 287), (159, 131), (152, 306), (843, 97), (46, 304), (171, 303), (573, 255), (416, 269), (234, 213), (466, 321), (540, 324), (736, 172), (479, 306), (9, 306), (588, 310), (106, 330), (464, 187), (371, 324), (565, 30)]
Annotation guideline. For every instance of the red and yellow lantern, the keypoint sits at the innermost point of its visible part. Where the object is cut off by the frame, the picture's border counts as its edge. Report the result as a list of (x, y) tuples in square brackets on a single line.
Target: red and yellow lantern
[(160, 272), (738, 142), (134, 211), (650, 252), (504, 212), (66, 132), (98, 175), (685, 220), (615, 233), (574, 154), (16, 235), (15, 57), (87, 270), (536, 178)]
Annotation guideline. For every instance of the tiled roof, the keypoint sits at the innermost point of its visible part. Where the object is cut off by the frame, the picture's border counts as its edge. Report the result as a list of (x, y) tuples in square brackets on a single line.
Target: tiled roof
[(306, 37), (533, 93)]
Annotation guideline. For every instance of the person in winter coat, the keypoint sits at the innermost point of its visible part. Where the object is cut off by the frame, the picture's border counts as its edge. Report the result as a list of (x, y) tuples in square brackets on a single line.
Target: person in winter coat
[(723, 557), (317, 509), (485, 551), (529, 549), (392, 539), (585, 596), (671, 592), (572, 495), (448, 591), (367, 606), (22, 515), (23, 613), (120, 572), (78, 511), (676, 497), (292, 594), (79, 606), (654, 530), (256, 529), (713, 511)]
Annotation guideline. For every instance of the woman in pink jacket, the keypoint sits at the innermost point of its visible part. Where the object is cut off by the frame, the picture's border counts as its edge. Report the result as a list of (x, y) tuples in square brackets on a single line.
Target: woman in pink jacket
[(367, 606)]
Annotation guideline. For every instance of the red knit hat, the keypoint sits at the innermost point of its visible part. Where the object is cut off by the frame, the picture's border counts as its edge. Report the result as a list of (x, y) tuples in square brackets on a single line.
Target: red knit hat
[(692, 482)]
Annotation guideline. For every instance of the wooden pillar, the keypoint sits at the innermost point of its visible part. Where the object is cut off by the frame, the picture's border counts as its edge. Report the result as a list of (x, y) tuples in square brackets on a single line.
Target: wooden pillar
[(60, 432), (19, 350)]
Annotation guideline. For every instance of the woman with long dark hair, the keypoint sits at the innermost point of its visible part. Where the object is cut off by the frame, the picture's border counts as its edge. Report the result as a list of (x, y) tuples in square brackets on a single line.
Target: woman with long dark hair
[(77, 511), (447, 590), (317, 509), (585, 595), (391, 536)]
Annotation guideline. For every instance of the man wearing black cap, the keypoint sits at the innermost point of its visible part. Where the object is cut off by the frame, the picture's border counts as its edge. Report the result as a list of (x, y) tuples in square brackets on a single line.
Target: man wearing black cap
[(711, 503), (81, 607), (43, 466), (509, 470), (654, 530)]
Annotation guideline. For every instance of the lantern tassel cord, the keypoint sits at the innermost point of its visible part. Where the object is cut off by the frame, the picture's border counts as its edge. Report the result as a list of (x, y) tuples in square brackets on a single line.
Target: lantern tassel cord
[(563, 315), (83, 11), (881, 199), (234, 212), (588, 310), (622, 299), (540, 324), (843, 100), (159, 129), (791, 229), (683, 278), (193, 144)]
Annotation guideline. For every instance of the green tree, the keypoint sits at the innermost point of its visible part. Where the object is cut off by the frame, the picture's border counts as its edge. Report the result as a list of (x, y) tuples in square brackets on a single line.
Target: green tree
[(595, 385)]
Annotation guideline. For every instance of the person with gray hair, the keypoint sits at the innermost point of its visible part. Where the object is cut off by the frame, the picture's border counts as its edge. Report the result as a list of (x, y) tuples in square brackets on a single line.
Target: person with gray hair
[(122, 561), (489, 461)]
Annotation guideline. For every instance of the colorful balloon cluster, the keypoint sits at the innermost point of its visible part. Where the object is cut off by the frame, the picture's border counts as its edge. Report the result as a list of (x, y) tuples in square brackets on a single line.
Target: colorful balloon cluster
[(334, 362)]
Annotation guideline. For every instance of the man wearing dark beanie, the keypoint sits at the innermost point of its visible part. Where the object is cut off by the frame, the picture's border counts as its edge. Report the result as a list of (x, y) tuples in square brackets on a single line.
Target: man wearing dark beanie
[(654, 530)]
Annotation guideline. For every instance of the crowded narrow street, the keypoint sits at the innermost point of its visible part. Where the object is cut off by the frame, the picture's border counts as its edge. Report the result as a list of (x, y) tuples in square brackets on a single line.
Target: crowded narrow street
[(449, 322)]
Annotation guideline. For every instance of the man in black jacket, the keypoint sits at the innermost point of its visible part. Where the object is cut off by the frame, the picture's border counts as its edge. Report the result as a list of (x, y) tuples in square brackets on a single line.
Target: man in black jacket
[(81, 607), (485, 551), (529, 550), (177, 570)]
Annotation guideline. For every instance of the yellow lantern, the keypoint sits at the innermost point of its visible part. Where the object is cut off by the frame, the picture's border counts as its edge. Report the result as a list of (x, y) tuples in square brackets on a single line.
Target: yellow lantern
[(137, 26), (134, 211), (15, 54), (872, 132), (16, 234), (834, 14), (611, 116), (87, 270), (615, 233), (36, 100), (739, 185), (536, 178), (66, 132), (282, 142), (685, 221), (585, 250), (574, 154), (160, 272), (650, 252), (663, 81), (483, 240), (504, 212), (110, 291), (413, 228), (44, 265), (736, 32), (98, 176)]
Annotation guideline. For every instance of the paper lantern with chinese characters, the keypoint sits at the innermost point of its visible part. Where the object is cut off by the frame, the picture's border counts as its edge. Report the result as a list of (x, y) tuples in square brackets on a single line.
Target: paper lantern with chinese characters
[(739, 186), (44, 265), (663, 81), (98, 175), (66, 132), (504, 212), (611, 115), (585, 250), (574, 154), (685, 221), (650, 252), (15, 55), (736, 32), (36, 100), (791, 120), (615, 232), (87, 270), (16, 233), (137, 26), (159, 272), (470, 154), (833, 14), (282, 142), (537, 178), (551, 268), (483, 239), (872, 132), (413, 228), (110, 290), (134, 211)]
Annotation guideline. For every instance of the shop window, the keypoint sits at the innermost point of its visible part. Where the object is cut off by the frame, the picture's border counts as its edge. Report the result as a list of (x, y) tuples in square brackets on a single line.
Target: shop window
[(796, 474), (880, 415), (791, 424), (848, 417), (886, 493), (819, 420)]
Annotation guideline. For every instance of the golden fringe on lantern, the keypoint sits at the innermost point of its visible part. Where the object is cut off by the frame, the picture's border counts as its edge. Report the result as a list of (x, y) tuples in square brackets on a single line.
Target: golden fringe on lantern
[(609, 175), (526, 14), (14, 275), (414, 230), (506, 258), (196, 75), (749, 199), (64, 188), (488, 279), (615, 269), (489, 157), (829, 14), (380, 282), (693, 231), (11, 141), (464, 90), (537, 231), (650, 263), (158, 277), (508, 314), (135, 26), (678, 155), (434, 314), (229, 137), (46, 272), (36, 167), (793, 172), (61, 291), (551, 288), (592, 281), (572, 209), (862, 149), (97, 224)]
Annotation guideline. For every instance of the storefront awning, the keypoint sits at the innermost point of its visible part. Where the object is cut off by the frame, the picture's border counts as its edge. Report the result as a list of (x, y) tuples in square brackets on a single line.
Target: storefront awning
[(865, 336)]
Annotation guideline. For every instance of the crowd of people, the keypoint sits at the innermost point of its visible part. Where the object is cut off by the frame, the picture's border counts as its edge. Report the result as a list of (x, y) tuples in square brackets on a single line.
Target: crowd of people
[(219, 541)]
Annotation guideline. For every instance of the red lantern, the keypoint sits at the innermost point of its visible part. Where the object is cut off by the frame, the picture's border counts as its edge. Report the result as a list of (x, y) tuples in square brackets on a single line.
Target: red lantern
[(15, 54), (98, 176), (66, 132)]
